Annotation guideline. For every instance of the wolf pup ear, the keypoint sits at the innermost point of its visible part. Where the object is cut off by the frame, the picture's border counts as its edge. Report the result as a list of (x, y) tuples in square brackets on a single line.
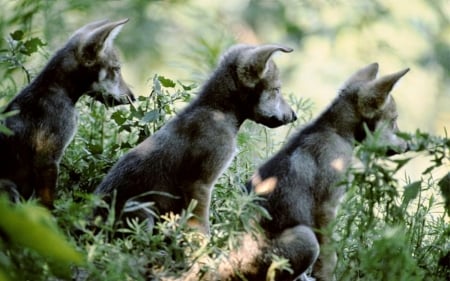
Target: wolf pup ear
[(254, 62), (374, 94), (97, 38), (89, 27), (363, 75), (384, 85)]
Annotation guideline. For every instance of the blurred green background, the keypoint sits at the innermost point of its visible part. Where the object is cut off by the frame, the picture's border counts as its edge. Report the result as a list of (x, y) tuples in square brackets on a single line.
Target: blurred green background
[(183, 39)]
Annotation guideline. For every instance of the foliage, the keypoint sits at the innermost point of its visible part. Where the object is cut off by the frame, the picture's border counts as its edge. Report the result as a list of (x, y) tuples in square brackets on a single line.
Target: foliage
[(388, 228), (18, 47), (28, 233), (109, 132), (390, 231)]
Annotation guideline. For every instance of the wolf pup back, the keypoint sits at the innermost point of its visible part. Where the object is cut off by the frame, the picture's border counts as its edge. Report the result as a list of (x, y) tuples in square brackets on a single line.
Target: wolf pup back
[(47, 118), (182, 161)]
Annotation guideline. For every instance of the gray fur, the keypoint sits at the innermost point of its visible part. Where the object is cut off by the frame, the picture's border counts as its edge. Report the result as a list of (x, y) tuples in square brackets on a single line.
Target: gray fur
[(299, 182), (186, 156), (47, 119)]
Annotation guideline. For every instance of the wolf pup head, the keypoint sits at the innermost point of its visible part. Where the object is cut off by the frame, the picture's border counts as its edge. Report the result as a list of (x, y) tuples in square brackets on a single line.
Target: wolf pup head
[(94, 51), (258, 75), (376, 105)]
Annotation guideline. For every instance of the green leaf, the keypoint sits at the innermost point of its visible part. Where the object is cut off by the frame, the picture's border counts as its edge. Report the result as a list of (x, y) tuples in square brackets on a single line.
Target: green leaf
[(150, 116), (17, 35), (32, 226), (411, 192), (32, 45), (6, 131), (118, 117), (187, 87), (95, 149), (166, 82)]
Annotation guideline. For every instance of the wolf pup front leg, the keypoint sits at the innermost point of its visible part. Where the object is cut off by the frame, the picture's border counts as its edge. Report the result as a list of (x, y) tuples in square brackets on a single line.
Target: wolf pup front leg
[(300, 182), (47, 118), (187, 155)]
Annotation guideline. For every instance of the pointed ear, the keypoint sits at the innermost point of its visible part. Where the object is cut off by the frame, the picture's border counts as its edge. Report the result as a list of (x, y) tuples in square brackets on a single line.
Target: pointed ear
[(374, 94), (98, 37), (363, 75), (254, 62), (89, 27), (385, 84)]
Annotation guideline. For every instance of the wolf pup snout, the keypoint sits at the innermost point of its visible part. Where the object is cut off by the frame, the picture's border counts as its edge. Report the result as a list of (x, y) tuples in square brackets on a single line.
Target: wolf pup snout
[(271, 109)]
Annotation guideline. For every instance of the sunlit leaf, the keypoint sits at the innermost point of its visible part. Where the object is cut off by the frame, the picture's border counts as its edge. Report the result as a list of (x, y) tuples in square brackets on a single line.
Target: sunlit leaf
[(166, 82), (33, 227)]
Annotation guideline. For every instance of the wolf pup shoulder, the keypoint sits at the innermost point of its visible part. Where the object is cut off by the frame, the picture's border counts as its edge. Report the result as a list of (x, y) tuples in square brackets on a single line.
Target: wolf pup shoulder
[(182, 161), (47, 119), (300, 182)]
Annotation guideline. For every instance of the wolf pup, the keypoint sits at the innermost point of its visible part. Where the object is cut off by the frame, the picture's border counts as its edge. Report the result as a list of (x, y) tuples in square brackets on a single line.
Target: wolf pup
[(183, 160), (47, 119), (299, 183)]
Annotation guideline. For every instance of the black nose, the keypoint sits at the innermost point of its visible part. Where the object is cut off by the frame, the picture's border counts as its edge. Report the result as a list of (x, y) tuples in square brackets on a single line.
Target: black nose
[(294, 116)]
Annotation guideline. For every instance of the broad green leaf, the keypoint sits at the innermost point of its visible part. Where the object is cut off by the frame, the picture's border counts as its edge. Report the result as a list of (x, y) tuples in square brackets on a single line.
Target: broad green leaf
[(166, 82), (411, 192), (17, 35), (118, 117), (32, 45), (33, 227), (150, 116)]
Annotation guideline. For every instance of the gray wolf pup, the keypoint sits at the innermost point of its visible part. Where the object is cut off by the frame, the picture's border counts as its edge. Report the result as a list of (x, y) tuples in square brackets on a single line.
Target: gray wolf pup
[(183, 160), (300, 182), (47, 118)]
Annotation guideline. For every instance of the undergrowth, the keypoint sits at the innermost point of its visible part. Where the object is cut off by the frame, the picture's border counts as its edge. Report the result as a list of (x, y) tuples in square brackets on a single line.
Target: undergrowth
[(388, 228)]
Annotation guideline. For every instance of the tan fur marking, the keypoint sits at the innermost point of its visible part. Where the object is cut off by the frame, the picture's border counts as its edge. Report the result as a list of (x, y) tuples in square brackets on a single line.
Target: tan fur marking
[(263, 187), (44, 142), (46, 196), (218, 116), (338, 164), (266, 186)]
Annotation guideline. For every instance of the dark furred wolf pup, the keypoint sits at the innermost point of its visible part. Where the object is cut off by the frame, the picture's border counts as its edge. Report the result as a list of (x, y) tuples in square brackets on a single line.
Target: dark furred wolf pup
[(47, 118), (300, 182), (186, 156)]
